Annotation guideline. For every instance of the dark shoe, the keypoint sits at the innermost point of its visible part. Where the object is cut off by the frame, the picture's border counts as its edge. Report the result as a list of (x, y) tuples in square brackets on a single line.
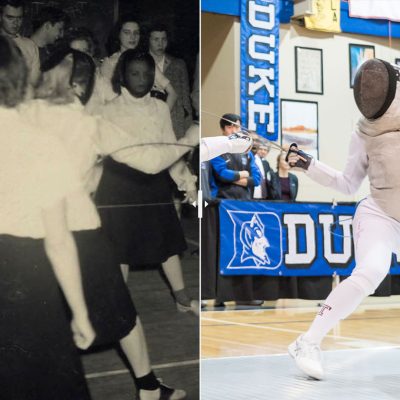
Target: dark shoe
[(250, 303)]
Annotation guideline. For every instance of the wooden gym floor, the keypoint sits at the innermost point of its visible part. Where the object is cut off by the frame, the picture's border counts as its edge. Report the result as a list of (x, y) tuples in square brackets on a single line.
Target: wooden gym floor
[(237, 345)]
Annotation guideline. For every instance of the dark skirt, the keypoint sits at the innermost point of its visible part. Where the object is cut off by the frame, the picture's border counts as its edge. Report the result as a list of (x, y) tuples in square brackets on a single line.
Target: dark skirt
[(111, 310), (138, 214), (38, 359)]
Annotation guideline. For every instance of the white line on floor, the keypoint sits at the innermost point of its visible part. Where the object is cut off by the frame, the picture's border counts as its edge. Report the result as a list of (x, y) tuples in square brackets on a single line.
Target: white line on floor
[(193, 242), (126, 371), (254, 309), (288, 330), (383, 348), (205, 337)]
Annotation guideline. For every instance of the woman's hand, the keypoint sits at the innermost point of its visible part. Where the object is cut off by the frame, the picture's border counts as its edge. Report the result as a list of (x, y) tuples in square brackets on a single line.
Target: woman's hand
[(83, 332), (190, 196)]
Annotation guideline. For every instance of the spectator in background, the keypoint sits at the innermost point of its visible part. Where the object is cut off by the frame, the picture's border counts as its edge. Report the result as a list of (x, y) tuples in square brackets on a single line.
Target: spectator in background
[(11, 17), (48, 28), (284, 184), (124, 36), (82, 39), (205, 177), (264, 190), (234, 175), (175, 70)]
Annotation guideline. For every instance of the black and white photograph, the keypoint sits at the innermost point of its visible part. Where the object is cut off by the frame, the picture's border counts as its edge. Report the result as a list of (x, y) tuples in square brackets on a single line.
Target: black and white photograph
[(99, 242), (199, 200)]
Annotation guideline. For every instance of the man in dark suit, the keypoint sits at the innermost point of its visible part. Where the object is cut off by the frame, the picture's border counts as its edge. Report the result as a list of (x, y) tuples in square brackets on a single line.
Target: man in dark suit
[(48, 28), (175, 70), (263, 191)]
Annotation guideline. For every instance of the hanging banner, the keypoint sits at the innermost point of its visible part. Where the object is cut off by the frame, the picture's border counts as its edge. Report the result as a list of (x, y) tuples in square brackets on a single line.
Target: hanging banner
[(286, 11), (373, 9), (259, 78), (326, 16), (287, 239), (373, 27)]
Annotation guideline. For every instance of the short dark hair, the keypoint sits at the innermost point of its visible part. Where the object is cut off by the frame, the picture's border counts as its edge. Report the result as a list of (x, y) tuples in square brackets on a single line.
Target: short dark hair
[(113, 42), (49, 14), (157, 27), (12, 3), (118, 79), (229, 120), (82, 33), (13, 74)]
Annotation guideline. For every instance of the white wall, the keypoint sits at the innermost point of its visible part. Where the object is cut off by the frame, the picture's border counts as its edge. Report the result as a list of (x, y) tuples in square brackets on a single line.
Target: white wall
[(337, 111), (220, 69), (336, 107)]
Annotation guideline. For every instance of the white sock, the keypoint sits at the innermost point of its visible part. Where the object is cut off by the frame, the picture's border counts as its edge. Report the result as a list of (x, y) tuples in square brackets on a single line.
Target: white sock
[(149, 394), (341, 302)]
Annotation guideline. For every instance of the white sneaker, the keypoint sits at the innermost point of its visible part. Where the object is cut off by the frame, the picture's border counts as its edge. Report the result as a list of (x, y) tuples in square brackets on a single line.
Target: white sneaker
[(307, 356)]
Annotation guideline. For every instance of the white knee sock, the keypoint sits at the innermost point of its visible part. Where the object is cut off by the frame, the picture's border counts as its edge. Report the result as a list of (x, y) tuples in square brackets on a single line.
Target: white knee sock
[(341, 302)]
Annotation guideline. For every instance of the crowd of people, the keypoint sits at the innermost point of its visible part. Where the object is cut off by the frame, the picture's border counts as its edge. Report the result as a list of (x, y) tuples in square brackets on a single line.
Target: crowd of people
[(247, 176), (80, 135)]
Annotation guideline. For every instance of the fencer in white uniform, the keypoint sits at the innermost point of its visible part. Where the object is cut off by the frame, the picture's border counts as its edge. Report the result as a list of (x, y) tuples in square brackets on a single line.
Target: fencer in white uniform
[(374, 149)]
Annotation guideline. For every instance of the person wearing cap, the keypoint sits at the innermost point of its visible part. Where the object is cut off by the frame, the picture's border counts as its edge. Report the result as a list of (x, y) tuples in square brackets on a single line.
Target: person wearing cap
[(373, 152)]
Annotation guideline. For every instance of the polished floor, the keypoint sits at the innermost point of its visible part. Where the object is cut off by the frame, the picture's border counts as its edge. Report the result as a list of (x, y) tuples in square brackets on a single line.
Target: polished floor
[(244, 354)]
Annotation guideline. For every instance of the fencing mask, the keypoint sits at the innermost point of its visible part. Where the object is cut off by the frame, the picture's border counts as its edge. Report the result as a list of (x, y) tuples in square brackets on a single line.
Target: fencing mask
[(375, 87)]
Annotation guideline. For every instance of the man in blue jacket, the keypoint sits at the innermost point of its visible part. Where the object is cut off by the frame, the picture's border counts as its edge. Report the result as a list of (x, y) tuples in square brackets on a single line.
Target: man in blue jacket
[(234, 176)]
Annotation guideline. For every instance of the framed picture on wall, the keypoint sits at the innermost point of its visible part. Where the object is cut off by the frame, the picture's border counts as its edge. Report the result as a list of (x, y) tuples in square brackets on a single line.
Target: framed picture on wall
[(309, 70), (358, 53), (299, 124)]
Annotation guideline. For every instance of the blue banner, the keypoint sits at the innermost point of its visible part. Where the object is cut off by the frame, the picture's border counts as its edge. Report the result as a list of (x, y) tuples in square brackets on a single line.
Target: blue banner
[(286, 11), (227, 7), (287, 239), (373, 27), (259, 78)]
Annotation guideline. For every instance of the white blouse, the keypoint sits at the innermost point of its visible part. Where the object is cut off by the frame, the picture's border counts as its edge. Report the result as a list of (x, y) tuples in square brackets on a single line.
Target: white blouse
[(76, 131), (35, 173), (86, 138), (147, 120)]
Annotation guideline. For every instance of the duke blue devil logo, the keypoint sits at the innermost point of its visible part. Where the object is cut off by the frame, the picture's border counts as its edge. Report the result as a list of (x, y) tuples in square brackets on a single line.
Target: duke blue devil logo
[(254, 242), (257, 240)]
